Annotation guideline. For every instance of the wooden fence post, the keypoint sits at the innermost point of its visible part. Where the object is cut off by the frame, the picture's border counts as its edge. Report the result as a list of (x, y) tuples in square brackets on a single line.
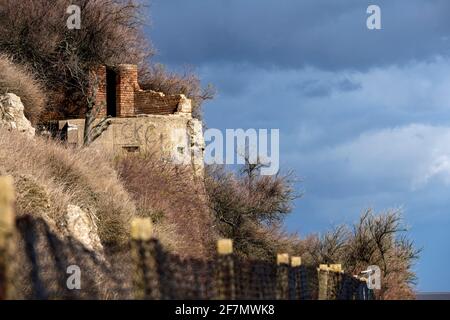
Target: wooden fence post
[(225, 276), (145, 279), (296, 263), (334, 281), (323, 274), (7, 245), (283, 276)]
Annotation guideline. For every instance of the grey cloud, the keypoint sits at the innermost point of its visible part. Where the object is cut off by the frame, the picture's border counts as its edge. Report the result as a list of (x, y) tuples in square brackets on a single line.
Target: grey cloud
[(322, 88), (314, 88), (339, 104), (327, 34), (349, 85)]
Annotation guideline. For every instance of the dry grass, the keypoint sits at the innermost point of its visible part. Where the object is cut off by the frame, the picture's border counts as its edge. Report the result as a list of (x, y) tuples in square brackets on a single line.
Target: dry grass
[(48, 177), (176, 203), (20, 81)]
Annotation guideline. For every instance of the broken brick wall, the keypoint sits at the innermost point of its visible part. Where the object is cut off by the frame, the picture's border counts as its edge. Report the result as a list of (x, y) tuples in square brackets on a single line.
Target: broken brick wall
[(131, 100), (150, 102)]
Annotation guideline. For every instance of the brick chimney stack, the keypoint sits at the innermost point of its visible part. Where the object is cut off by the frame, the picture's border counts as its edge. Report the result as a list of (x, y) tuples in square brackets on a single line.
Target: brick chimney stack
[(127, 84)]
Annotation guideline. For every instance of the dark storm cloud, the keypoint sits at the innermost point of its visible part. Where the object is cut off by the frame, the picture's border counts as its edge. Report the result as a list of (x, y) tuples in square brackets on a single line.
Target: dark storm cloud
[(293, 33), (317, 88)]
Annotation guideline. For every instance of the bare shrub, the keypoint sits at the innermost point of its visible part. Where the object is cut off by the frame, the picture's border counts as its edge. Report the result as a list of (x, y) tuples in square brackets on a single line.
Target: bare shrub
[(173, 199), (34, 32), (49, 176), (157, 78), (250, 208), (20, 81), (381, 240), (376, 239)]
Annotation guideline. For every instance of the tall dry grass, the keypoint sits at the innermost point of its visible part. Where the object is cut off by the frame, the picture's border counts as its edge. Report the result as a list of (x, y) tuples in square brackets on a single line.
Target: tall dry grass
[(20, 81), (49, 176), (174, 200)]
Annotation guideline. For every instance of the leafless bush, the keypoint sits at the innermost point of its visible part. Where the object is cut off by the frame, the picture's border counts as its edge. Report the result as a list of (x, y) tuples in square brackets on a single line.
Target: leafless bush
[(249, 209), (381, 240), (20, 81), (34, 32), (156, 77), (376, 239), (331, 247)]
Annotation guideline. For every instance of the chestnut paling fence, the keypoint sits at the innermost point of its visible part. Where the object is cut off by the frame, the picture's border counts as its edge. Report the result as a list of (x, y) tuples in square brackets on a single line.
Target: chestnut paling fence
[(36, 264)]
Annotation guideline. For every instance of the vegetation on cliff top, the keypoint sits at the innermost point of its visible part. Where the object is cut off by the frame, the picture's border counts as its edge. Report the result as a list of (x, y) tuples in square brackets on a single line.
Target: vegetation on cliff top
[(34, 33)]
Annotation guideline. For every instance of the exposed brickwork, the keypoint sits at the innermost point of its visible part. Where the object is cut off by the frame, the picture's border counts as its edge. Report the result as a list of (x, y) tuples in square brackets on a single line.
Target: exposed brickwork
[(132, 101), (127, 84), (100, 100), (150, 102)]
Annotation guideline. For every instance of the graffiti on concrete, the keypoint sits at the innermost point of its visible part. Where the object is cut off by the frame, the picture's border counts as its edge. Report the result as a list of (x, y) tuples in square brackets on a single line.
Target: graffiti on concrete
[(135, 133)]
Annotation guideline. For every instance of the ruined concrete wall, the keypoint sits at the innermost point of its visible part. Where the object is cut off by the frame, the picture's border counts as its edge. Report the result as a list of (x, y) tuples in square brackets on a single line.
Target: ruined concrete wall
[(177, 138), (196, 145)]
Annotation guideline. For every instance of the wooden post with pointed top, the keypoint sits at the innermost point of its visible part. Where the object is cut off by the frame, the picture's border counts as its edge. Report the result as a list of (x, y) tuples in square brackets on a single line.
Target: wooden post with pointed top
[(146, 274), (283, 276), (7, 245), (225, 272)]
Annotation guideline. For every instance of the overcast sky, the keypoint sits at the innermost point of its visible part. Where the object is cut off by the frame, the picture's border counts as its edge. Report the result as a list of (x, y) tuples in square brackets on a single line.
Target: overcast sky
[(364, 114)]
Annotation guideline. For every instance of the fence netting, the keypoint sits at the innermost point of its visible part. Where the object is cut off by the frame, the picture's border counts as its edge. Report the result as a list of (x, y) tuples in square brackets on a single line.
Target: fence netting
[(46, 267)]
